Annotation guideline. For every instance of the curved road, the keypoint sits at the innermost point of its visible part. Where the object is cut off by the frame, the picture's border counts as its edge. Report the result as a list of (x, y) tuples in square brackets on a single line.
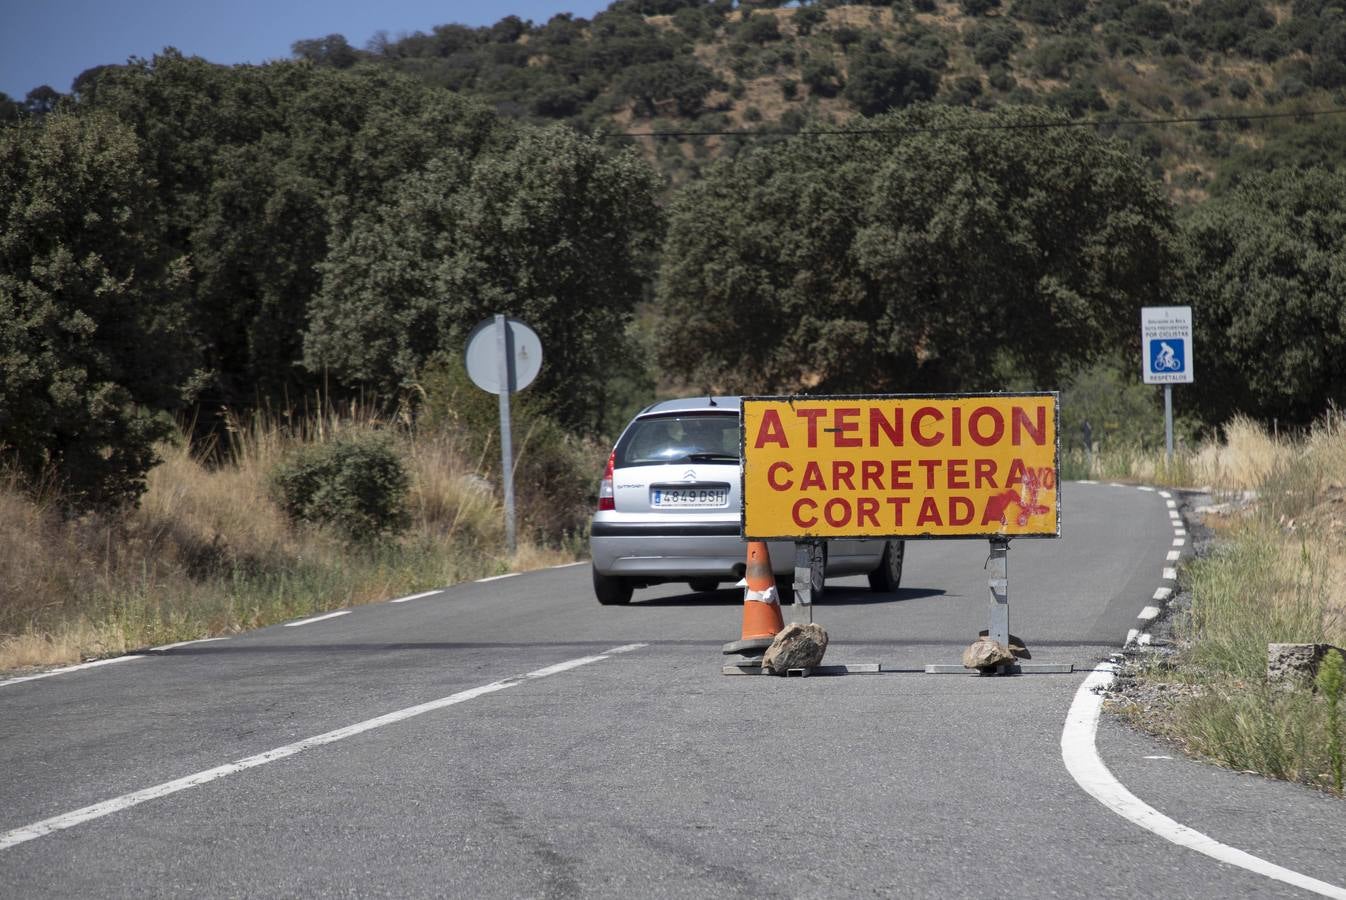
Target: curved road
[(394, 750)]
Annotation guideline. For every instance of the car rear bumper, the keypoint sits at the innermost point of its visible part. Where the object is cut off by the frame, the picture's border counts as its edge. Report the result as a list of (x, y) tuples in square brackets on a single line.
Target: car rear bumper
[(705, 550)]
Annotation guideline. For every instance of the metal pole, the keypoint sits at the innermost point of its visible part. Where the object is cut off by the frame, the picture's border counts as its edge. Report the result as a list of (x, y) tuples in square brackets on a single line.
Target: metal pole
[(505, 370), (998, 565), (1168, 423)]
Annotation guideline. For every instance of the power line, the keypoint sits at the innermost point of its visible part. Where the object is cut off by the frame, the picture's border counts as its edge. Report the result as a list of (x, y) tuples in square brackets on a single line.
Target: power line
[(988, 126)]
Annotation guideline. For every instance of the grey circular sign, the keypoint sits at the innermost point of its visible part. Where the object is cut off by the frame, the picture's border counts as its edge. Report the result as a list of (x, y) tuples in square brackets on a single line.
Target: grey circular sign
[(522, 349)]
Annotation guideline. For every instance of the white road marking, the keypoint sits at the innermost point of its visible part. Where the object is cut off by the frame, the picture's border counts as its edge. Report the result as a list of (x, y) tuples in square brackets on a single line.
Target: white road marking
[(186, 644), (415, 596), (1131, 636), (1087, 482), (1180, 532), (1163, 593), (568, 565), (1115, 484), (1173, 555), (1158, 757), (1145, 639), (1171, 504), (1170, 573), (497, 577), (1080, 754), (62, 671), (331, 615), (1173, 514), (1165, 494), (125, 801), (1149, 612), (1145, 488), (1179, 542)]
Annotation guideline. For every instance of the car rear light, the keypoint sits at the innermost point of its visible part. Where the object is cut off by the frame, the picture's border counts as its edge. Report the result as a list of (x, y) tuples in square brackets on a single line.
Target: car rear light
[(605, 496)]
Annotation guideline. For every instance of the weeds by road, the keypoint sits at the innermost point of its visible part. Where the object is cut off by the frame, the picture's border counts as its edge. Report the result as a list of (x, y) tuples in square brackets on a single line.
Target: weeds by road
[(1275, 573), (209, 552)]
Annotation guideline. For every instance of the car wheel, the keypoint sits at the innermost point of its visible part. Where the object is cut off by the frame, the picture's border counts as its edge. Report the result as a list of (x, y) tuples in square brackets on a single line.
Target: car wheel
[(703, 584), (887, 578), (611, 590)]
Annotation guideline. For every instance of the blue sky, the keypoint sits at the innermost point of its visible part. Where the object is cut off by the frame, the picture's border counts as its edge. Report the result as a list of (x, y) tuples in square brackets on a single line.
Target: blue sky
[(52, 41)]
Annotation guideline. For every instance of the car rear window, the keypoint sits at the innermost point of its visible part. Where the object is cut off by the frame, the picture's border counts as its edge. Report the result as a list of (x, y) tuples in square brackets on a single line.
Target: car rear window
[(679, 438)]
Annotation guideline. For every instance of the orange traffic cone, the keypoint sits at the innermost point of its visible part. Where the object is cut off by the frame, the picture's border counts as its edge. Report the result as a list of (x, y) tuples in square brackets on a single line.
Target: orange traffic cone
[(761, 604)]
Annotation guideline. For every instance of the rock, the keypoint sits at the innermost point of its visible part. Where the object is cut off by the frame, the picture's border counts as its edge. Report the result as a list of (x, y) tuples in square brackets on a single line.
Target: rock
[(987, 654), (1288, 662), (797, 646)]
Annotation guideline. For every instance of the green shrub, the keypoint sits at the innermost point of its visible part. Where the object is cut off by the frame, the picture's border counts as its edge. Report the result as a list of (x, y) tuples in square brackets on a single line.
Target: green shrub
[(1240, 89), (356, 485)]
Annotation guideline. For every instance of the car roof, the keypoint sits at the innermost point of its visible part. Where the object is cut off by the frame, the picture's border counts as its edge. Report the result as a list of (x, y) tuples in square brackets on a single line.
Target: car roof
[(693, 404)]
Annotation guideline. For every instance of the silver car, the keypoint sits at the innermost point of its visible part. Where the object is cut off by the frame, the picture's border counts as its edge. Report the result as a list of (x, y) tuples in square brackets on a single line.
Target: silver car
[(669, 507)]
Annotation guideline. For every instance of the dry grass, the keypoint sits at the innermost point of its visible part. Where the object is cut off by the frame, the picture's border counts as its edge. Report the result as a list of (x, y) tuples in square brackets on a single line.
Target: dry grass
[(209, 553), (1277, 575)]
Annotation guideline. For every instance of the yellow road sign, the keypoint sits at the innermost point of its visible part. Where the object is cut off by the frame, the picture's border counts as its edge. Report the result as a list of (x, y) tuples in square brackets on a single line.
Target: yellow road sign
[(937, 466)]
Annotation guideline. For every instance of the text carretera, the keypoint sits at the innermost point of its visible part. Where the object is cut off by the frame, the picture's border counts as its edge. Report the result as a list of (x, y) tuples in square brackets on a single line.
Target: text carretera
[(954, 466)]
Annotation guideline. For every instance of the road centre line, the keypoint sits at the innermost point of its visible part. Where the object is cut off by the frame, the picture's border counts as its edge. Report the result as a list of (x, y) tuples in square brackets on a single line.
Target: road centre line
[(116, 804), (1146, 488), (1149, 612), (1079, 751), (1173, 555), (76, 668), (1165, 494), (1162, 593), (1179, 542), (1170, 573), (579, 562), (415, 596), (497, 577), (331, 615)]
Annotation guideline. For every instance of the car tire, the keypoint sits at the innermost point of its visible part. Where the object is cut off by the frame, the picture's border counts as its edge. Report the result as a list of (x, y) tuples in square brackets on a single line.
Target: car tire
[(611, 590), (887, 578), (703, 584)]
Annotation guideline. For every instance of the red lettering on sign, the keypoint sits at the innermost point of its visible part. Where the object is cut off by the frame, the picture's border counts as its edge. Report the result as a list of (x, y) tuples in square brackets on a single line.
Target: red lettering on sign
[(957, 474), (926, 412), (771, 431), (985, 473), (771, 475), (929, 513), (898, 504), (892, 429), (843, 475), (1016, 473), (871, 475), (843, 424), (980, 414), (1020, 424), (960, 511), (930, 465), (867, 512), (900, 479), (813, 477), (837, 512), (813, 415), (795, 513)]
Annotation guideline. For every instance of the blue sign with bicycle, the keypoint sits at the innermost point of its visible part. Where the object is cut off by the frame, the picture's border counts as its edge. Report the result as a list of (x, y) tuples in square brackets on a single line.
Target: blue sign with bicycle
[(1166, 344), (1168, 355)]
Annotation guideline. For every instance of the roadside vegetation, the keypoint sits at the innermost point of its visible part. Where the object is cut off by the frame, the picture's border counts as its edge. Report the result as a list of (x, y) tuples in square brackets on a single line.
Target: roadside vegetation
[(298, 515), (1275, 573)]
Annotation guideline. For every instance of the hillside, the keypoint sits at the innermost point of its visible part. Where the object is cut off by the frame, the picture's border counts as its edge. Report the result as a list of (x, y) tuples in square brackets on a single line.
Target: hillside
[(689, 65)]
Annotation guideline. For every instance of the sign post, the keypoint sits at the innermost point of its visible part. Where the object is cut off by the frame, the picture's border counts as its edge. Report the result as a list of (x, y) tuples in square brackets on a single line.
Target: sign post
[(504, 355), (902, 466), (1166, 352)]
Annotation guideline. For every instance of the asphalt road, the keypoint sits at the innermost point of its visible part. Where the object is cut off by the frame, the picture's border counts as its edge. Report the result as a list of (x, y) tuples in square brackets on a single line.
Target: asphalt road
[(625, 764)]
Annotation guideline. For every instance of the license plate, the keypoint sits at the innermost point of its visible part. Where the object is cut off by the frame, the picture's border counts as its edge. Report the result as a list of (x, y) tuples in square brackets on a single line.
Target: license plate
[(690, 498)]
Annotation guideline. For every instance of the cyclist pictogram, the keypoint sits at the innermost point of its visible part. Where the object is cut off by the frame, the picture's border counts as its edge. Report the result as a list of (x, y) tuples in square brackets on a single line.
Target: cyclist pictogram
[(1166, 355)]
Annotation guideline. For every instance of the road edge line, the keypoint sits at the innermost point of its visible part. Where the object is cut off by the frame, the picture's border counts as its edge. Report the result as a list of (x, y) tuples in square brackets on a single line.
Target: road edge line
[(26, 833), (1079, 752)]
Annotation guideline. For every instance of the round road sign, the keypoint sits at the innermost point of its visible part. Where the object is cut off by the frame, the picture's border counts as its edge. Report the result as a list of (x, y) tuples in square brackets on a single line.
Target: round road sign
[(522, 347)]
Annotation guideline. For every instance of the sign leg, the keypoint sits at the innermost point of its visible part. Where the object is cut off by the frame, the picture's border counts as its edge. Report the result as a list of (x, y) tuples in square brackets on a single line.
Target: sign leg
[(1168, 424), (998, 566), (505, 355)]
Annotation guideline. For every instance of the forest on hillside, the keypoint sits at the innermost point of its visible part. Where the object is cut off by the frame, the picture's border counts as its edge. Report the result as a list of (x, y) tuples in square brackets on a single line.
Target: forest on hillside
[(842, 198)]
